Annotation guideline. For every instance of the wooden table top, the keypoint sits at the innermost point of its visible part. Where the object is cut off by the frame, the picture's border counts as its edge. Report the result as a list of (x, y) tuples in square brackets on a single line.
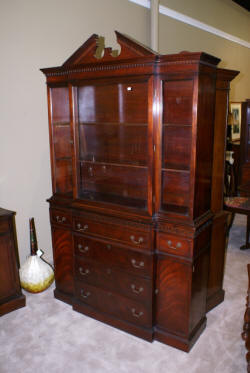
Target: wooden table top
[(238, 204)]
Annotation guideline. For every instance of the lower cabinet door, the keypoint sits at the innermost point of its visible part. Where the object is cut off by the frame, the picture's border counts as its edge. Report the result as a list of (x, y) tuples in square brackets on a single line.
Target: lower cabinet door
[(181, 294), (63, 260), (173, 295)]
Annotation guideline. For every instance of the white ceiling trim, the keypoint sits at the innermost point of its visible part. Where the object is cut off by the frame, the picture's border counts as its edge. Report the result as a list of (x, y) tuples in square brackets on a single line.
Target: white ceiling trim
[(193, 22)]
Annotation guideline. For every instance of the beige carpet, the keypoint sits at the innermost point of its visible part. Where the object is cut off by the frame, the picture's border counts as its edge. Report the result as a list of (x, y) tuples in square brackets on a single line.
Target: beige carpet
[(47, 336)]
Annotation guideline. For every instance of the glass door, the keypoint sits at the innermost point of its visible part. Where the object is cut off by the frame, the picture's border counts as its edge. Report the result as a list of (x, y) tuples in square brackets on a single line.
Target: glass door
[(112, 121), (176, 145), (60, 139)]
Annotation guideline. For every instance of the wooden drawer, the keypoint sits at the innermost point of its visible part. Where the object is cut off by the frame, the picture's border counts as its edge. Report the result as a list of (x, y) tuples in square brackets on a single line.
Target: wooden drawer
[(123, 234), (112, 255), (110, 303), (61, 217), (112, 279), (173, 244)]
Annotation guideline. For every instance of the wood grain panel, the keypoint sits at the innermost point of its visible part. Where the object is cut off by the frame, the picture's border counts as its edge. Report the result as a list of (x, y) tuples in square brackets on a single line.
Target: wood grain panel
[(172, 300), (63, 260), (8, 282)]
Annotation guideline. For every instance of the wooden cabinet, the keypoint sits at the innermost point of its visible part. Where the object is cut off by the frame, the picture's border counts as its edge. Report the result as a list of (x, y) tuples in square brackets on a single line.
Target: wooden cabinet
[(11, 297), (132, 141), (215, 292)]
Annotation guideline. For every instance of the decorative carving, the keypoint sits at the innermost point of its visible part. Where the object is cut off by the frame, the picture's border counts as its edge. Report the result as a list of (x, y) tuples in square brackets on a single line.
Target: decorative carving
[(94, 49), (97, 68)]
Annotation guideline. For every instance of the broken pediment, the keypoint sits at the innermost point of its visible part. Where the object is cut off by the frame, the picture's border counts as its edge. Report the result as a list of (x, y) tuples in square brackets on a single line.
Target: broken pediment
[(94, 51)]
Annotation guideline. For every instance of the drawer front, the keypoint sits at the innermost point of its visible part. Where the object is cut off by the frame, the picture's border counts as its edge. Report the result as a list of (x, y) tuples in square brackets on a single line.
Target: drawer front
[(112, 304), (112, 255), (119, 233), (61, 217), (173, 244), (109, 278)]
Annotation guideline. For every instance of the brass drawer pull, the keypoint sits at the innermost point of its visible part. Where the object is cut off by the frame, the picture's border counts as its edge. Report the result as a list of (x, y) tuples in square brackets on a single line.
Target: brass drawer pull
[(136, 290), (178, 245), (80, 228), (84, 272), (140, 240), (83, 249), (137, 264), (85, 295), (136, 314), (60, 219)]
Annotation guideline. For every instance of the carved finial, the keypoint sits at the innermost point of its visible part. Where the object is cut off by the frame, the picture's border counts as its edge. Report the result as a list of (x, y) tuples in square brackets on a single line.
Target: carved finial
[(100, 46)]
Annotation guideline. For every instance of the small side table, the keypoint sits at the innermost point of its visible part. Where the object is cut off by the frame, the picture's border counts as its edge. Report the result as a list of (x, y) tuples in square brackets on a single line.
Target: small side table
[(11, 296), (240, 205)]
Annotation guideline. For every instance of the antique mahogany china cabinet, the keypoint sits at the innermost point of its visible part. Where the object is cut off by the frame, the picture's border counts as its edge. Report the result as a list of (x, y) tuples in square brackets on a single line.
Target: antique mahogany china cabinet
[(132, 143)]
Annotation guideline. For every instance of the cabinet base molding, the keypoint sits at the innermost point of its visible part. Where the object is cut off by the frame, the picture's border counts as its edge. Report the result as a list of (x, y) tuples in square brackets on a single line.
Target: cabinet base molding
[(215, 299), (140, 332), (62, 296), (12, 304), (181, 343)]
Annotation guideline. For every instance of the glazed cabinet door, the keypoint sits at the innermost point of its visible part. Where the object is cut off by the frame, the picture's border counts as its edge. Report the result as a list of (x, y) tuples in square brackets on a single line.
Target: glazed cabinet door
[(114, 139), (60, 140), (63, 263), (185, 154), (177, 120)]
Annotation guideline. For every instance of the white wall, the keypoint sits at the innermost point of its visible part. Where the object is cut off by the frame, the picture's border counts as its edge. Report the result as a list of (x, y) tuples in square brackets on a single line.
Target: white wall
[(35, 34), (223, 15)]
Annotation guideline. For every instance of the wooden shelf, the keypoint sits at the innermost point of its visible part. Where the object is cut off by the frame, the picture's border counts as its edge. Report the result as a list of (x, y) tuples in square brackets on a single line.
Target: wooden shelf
[(116, 164)]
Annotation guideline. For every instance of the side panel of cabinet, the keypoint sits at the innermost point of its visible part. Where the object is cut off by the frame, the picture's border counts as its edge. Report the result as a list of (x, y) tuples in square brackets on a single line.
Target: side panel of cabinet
[(63, 262), (9, 284), (11, 297), (215, 292), (204, 143)]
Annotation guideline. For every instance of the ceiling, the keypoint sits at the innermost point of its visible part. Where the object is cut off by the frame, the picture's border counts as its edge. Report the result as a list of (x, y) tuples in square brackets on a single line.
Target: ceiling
[(244, 3)]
